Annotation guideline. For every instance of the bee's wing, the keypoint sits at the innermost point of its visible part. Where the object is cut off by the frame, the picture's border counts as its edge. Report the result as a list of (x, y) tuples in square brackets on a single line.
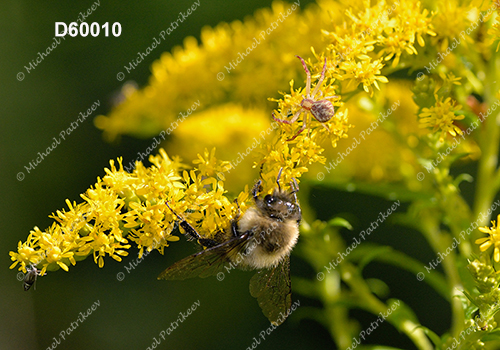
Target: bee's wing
[(273, 290), (205, 263)]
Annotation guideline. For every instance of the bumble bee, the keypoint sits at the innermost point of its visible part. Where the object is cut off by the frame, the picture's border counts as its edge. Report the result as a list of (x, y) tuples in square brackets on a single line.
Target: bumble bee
[(30, 278), (262, 238)]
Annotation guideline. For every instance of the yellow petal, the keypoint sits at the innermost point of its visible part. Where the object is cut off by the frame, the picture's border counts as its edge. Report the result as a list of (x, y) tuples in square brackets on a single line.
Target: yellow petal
[(63, 266), (485, 246), (481, 240)]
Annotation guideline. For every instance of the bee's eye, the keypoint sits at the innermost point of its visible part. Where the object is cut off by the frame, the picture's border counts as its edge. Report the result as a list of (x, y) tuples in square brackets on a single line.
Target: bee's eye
[(268, 199)]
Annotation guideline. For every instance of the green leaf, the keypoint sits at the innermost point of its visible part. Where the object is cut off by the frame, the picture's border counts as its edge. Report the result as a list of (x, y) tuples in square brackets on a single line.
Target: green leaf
[(373, 254), (455, 157), (470, 297), (400, 312), (368, 252), (340, 222), (462, 177), (432, 336), (378, 287)]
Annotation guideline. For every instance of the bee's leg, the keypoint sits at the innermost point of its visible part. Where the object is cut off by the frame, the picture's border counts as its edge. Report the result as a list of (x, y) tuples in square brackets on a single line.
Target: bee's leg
[(207, 242), (256, 189), (234, 228), (188, 229), (191, 232)]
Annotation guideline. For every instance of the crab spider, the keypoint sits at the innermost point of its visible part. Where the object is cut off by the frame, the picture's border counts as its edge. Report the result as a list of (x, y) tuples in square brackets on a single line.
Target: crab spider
[(322, 110)]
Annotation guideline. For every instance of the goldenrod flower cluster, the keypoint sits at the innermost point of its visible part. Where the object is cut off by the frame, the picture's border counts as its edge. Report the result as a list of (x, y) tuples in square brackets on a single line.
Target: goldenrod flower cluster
[(361, 41), (412, 83), (132, 205)]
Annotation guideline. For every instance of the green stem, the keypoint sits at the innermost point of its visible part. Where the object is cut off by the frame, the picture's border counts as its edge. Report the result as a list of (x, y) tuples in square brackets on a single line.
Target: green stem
[(337, 316), (350, 275), (440, 243), (488, 179)]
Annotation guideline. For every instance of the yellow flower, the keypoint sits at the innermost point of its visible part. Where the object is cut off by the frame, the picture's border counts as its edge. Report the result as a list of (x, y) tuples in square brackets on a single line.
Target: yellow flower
[(364, 72), (48, 250), (452, 22), (132, 205), (421, 22), (366, 39), (243, 61), (367, 35), (27, 253), (396, 43), (441, 117), (492, 240), (450, 78), (234, 130)]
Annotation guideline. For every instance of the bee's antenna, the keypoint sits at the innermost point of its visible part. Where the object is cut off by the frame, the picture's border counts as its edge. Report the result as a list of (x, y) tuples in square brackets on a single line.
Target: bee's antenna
[(278, 179)]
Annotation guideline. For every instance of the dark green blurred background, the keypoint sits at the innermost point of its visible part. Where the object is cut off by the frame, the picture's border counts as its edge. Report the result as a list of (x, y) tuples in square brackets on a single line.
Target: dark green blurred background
[(132, 312)]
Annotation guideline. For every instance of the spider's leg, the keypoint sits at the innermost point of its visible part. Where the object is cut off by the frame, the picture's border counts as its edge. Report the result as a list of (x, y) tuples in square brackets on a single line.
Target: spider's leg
[(308, 129), (301, 129), (326, 98), (320, 81), (281, 120), (296, 115), (326, 127), (308, 86), (293, 120)]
